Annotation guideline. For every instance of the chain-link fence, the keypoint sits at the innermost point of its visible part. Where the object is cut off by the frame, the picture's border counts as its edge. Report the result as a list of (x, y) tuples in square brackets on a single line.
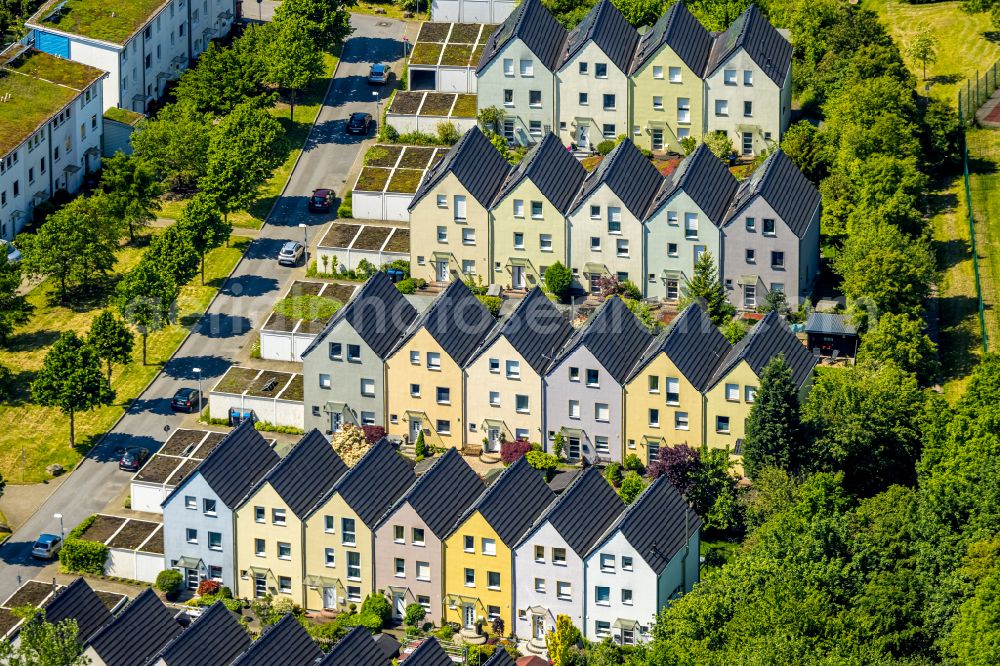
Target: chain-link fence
[(976, 91)]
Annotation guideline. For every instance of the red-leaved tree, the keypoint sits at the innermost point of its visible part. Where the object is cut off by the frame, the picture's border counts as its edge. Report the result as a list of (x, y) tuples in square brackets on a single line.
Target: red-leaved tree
[(511, 452), (680, 464)]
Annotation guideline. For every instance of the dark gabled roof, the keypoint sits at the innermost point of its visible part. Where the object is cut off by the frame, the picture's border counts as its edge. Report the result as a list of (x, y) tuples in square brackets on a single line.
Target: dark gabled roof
[(784, 188), (500, 658), (692, 343), (428, 653), (285, 643), (476, 163), (583, 511), (357, 648), (378, 312), (512, 503), (628, 173), (374, 483), (606, 27), (78, 602), (683, 33), (138, 632), (704, 178), (217, 627), (830, 323), (754, 33), (442, 493), (456, 320), (553, 170), (309, 469), (536, 329), (658, 524), (768, 338), (536, 27), (614, 336)]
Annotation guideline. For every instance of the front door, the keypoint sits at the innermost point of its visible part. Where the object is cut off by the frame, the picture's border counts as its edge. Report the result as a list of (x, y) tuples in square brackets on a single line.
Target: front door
[(517, 277), (329, 597), (573, 448), (494, 439), (398, 605), (595, 283), (336, 421), (581, 136), (442, 271), (259, 585), (192, 578), (537, 627), (416, 425), (748, 143), (469, 615)]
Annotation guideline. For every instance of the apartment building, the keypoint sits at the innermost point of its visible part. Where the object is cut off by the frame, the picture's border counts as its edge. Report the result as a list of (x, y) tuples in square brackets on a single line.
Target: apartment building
[(51, 121)]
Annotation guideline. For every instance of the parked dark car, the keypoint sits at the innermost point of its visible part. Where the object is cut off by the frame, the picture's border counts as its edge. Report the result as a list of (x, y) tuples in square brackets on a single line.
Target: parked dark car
[(359, 123), (133, 459), (290, 253), (186, 400), (379, 74), (321, 200)]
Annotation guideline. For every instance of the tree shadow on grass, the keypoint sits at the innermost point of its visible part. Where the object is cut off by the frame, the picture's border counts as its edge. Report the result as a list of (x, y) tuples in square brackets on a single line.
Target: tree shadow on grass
[(944, 79), (960, 335), (26, 342), (19, 392), (952, 252), (979, 166)]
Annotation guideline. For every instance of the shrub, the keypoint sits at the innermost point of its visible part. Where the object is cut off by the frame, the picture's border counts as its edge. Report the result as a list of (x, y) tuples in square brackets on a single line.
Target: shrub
[(559, 445), (720, 144), (379, 605), (283, 606), (647, 153), (417, 139), (373, 433), (365, 269), (445, 633), (448, 134), (420, 447), (613, 474), (478, 654), (407, 286), (208, 587), (511, 452), (83, 556), (77, 532), (168, 581), (234, 605), (411, 631), (414, 614), (605, 147), (346, 208), (399, 264), (225, 593), (350, 444), (543, 462), (265, 426), (688, 144), (497, 627), (492, 303), (633, 463), (389, 133), (632, 487)]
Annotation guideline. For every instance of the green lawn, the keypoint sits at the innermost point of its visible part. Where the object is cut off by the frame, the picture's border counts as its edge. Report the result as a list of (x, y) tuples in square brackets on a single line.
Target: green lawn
[(984, 182), (44, 432), (306, 111), (112, 21)]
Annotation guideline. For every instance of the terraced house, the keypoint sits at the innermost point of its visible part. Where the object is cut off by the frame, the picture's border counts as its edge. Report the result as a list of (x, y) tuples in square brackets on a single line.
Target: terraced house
[(340, 528), (456, 194), (344, 367), (584, 386), (667, 99), (270, 521), (606, 229), (529, 214), (409, 539), (505, 376), (424, 372), (592, 79), (479, 564)]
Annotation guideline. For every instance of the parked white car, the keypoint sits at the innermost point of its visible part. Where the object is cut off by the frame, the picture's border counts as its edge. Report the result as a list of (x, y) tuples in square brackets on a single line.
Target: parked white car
[(13, 254)]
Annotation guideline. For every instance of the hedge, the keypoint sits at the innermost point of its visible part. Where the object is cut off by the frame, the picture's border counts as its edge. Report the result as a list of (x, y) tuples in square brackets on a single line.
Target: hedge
[(83, 556)]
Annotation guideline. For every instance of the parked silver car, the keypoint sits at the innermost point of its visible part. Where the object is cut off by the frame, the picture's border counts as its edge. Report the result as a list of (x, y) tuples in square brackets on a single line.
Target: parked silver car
[(290, 254), (13, 254), (47, 546)]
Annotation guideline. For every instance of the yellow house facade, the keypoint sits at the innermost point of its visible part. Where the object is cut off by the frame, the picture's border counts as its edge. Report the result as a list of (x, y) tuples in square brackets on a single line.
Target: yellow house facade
[(728, 404), (270, 542)]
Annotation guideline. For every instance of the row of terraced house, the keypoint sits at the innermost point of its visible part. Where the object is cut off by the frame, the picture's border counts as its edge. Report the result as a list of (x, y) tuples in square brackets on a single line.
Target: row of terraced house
[(325, 535), (603, 79)]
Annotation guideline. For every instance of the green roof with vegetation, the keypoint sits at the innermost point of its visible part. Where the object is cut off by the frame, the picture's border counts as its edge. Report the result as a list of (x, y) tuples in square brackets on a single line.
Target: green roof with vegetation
[(236, 380), (312, 308), (465, 106), (382, 155), (406, 103), (124, 116), (373, 179), (450, 44), (405, 180), (35, 87), (110, 21), (426, 53)]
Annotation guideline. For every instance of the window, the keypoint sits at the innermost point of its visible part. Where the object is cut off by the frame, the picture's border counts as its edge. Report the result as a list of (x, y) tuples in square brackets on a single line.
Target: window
[(329, 558), (654, 418), (468, 236), (324, 381), (535, 127), (518, 208), (354, 353), (675, 74), (494, 365), (508, 97), (777, 260), (536, 210), (680, 421), (442, 201), (442, 234), (347, 534), (658, 71), (768, 227), (415, 357), (367, 418), (433, 361), (259, 548), (535, 98), (673, 390), (574, 409), (414, 390), (258, 514), (672, 249), (518, 240), (353, 593), (278, 516), (214, 572), (470, 577), (627, 597), (749, 393), (609, 102), (684, 109), (722, 107), (336, 351), (733, 392), (595, 212), (601, 70), (545, 242), (690, 225), (508, 67), (521, 404), (424, 601), (778, 286), (593, 378), (494, 398), (284, 551), (559, 556), (583, 68), (285, 584), (658, 102), (574, 374), (368, 388), (722, 424), (583, 99), (417, 536), (595, 243), (602, 595), (601, 445), (747, 109), (729, 77), (208, 507), (443, 395), (564, 591), (191, 536), (423, 571), (540, 585), (601, 412), (469, 543), (399, 567), (190, 502), (608, 130), (353, 564), (607, 563), (492, 612), (443, 426), (751, 256), (527, 68), (614, 220), (748, 77), (513, 369), (493, 580), (621, 246)]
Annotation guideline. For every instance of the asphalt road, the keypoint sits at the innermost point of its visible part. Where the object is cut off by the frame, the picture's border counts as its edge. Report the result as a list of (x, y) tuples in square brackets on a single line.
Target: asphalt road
[(243, 304)]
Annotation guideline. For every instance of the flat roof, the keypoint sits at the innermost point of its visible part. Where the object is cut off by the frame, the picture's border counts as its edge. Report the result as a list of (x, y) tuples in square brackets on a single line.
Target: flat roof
[(34, 87), (112, 21), (451, 44)]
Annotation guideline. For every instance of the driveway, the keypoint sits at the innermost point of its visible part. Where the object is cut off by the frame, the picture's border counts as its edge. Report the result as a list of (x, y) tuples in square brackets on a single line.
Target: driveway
[(243, 303)]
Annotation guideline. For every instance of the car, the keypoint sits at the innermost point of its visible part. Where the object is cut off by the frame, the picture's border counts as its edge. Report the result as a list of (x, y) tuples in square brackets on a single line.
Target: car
[(290, 253), (321, 200), (359, 123), (47, 546), (133, 459), (13, 254), (186, 400), (379, 74)]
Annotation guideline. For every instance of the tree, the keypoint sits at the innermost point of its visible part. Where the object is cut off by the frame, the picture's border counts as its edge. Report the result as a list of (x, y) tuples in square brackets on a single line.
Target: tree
[(559, 280), (132, 191), (804, 145), (900, 339), (679, 464), (717, 15), (293, 61), (175, 145), (720, 144), (205, 226), (228, 76), (111, 340), (734, 330), (774, 301), (632, 486), (923, 47), (559, 640), (42, 643), (14, 307), (704, 286), (329, 21), (420, 447), (173, 253), (71, 379), (146, 298), (245, 148), (774, 436), (642, 12)]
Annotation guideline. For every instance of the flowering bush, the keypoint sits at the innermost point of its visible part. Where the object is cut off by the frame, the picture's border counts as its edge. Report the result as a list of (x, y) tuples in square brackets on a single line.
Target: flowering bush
[(350, 444), (511, 452), (208, 587)]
